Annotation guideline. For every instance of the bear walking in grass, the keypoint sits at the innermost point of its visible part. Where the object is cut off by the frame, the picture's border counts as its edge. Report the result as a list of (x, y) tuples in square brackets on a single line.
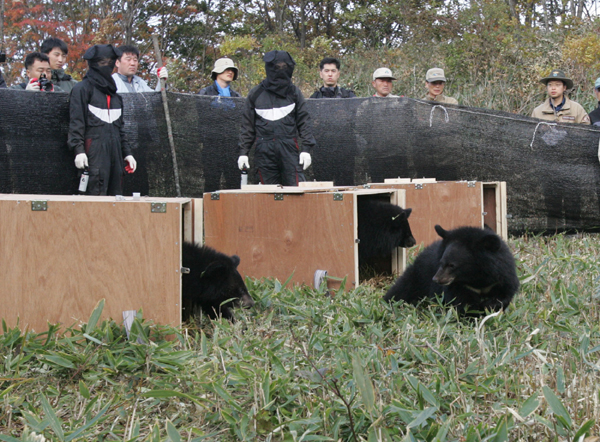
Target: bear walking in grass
[(212, 280), (381, 228), (472, 268)]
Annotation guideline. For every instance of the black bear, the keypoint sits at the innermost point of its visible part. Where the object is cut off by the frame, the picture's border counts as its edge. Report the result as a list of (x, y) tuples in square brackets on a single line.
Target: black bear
[(381, 228), (472, 268), (212, 280)]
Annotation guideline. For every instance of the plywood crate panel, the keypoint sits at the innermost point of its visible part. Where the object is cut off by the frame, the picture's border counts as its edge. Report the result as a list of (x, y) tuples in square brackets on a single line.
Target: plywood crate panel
[(56, 264)]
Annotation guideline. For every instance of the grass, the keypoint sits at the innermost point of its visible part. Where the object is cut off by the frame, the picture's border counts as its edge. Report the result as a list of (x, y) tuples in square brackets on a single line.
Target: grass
[(302, 366)]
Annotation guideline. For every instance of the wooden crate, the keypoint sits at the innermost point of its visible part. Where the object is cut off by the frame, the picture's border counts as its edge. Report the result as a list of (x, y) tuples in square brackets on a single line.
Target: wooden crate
[(451, 204), (292, 232), (62, 254)]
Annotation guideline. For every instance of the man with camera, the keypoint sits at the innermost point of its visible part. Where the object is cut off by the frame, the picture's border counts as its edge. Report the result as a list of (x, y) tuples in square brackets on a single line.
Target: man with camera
[(38, 74)]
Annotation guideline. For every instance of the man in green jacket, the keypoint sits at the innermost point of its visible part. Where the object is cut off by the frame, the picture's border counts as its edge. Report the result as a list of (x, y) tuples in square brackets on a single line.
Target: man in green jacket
[(57, 52)]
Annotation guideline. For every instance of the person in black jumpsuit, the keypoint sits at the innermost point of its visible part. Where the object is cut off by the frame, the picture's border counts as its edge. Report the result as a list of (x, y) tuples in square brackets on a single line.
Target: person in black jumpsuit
[(96, 129), (274, 117)]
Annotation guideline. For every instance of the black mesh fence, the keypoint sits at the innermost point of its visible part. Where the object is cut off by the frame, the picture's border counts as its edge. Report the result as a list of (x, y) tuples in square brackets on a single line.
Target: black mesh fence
[(552, 171)]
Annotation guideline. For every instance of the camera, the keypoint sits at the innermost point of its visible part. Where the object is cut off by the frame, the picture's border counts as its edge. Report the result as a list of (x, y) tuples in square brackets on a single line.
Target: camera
[(45, 84), (2, 57)]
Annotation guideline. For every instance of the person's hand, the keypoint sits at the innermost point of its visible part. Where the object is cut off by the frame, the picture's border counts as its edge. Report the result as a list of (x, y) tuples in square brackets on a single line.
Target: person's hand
[(81, 161), (33, 85), (243, 162), (305, 160), (162, 73), (130, 168)]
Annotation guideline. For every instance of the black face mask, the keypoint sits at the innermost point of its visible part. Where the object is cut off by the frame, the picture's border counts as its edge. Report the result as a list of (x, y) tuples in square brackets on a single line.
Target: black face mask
[(279, 66), (101, 61)]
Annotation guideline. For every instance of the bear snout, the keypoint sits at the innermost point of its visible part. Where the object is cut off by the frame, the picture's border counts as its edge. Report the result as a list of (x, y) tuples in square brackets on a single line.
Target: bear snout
[(246, 300), (410, 241), (443, 278)]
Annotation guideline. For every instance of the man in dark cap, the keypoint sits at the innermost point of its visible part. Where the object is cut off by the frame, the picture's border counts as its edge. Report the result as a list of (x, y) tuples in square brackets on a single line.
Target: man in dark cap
[(96, 129), (558, 107), (275, 116)]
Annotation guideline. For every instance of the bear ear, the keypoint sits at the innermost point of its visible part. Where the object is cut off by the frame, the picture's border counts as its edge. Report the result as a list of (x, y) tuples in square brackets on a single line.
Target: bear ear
[(408, 212), (440, 231), (491, 242), (235, 260)]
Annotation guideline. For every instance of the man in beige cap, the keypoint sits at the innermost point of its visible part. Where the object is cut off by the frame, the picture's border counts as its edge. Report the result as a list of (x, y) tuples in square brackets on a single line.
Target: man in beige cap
[(558, 107), (222, 75), (435, 81), (382, 82)]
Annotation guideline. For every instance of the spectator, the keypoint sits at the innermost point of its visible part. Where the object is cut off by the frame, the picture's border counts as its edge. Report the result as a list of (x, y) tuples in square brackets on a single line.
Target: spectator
[(96, 129), (595, 114), (38, 73), (329, 71), (222, 75), (382, 82), (127, 66), (558, 107), (57, 52), (435, 81), (2, 82), (275, 115)]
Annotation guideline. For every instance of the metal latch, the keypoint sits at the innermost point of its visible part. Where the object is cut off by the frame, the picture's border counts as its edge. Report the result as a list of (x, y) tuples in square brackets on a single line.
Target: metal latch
[(367, 186), (39, 206), (158, 207), (278, 197), (471, 183), (185, 270), (215, 196), (418, 186), (337, 196)]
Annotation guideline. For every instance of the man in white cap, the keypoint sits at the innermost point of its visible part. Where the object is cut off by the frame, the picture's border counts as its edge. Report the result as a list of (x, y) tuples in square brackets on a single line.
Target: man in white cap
[(435, 81), (558, 107), (222, 75), (382, 82), (595, 114)]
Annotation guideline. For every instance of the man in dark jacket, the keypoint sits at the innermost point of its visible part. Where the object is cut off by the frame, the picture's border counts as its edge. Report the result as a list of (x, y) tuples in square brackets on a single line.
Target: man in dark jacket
[(595, 114), (275, 116), (2, 82), (222, 75), (330, 73), (57, 52), (96, 129)]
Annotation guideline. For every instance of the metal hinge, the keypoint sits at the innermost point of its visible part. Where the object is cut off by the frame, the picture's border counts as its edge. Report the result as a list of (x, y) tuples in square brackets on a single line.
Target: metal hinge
[(185, 270), (337, 196), (158, 207), (215, 196), (39, 206), (367, 186), (471, 183), (418, 186), (278, 197)]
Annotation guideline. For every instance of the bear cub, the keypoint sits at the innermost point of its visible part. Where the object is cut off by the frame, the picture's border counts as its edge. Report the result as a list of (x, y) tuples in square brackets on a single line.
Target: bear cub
[(472, 268), (381, 228), (212, 280)]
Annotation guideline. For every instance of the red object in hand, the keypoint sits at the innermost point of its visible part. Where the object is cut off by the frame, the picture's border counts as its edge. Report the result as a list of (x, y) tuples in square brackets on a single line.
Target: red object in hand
[(128, 168)]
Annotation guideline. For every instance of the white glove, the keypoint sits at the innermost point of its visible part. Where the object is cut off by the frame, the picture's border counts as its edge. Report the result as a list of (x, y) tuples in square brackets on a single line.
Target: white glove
[(33, 85), (243, 162), (162, 73), (305, 159), (81, 161), (132, 162)]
